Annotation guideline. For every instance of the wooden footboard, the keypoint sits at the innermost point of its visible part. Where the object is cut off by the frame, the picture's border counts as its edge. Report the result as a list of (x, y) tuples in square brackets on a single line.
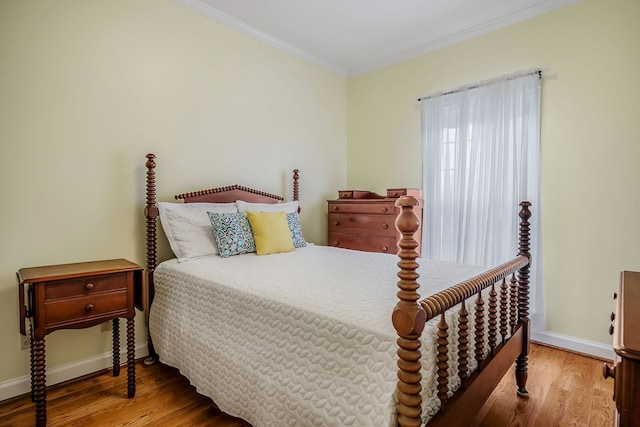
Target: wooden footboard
[(508, 329)]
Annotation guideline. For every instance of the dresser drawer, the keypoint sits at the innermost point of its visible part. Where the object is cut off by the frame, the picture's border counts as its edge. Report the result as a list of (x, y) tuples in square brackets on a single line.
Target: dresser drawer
[(85, 286), (358, 194), (397, 192), (363, 243), (368, 207), (69, 310), (366, 225)]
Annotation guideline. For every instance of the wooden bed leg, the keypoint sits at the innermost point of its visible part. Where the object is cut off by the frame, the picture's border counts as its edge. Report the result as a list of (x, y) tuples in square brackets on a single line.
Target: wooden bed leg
[(151, 213), (522, 371), (408, 318), (523, 300)]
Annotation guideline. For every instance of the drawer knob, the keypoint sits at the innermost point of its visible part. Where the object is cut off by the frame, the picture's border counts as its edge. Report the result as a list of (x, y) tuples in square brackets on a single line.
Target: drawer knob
[(336, 243), (336, 223), (613, 316), (608, 371), (610, 329), (89, 307), (385, 209), (88, 286), (385, 226), (336, 208), (385, 249)]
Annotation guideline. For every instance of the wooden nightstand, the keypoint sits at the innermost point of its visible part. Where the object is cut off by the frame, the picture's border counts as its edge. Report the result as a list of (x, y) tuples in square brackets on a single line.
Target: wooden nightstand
[(74, 296)]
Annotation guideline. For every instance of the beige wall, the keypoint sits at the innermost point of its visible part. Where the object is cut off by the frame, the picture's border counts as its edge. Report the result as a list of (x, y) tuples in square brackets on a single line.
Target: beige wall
[(590, 146), (87, 88)]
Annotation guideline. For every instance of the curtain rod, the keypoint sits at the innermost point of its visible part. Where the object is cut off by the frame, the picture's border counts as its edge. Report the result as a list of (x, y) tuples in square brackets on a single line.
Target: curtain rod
[(487, 82)]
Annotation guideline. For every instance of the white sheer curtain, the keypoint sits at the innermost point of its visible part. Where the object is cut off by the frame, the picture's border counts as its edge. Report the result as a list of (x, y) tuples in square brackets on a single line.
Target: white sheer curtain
[(481, 158)]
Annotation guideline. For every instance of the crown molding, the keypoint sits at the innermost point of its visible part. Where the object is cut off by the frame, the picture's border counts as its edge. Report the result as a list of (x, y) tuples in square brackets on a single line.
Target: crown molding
[(231, 22), (459, 36)]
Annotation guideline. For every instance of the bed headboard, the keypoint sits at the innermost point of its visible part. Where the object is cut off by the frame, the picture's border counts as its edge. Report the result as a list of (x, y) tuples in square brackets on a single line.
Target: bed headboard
[(227, 194)]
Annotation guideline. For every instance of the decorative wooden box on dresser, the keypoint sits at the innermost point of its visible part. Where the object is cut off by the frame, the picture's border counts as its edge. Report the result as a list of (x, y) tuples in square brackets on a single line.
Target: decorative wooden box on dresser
[(626, 343), (74, 296), (365, 221)]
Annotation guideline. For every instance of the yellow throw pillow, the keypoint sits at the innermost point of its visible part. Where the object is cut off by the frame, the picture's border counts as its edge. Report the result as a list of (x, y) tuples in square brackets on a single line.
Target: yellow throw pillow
[(271, 232)]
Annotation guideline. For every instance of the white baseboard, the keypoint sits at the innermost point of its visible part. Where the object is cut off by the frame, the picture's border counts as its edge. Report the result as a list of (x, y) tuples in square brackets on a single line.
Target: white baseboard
[(22, 385), (590, 348)]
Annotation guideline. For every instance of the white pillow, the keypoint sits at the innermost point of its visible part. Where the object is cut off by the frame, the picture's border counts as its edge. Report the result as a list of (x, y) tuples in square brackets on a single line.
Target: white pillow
[(288, 207), (188, 227)]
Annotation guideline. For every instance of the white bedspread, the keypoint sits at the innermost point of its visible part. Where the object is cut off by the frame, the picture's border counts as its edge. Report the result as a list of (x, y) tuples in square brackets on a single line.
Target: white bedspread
[(295, 339)]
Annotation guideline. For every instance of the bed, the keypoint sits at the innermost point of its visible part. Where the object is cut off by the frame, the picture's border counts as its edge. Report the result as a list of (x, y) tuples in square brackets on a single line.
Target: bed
[(320, 336)]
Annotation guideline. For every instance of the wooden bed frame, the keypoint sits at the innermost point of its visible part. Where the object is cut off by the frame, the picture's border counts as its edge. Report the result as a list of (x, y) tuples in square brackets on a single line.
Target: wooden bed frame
[(508, 312)]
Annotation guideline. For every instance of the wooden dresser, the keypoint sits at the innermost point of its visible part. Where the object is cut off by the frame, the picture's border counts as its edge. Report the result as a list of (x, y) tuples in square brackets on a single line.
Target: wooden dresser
[(626, 343), (365, 221)]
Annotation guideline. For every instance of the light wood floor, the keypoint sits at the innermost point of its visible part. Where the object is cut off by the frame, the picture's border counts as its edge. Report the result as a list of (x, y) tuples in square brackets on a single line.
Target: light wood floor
[(565, 390)]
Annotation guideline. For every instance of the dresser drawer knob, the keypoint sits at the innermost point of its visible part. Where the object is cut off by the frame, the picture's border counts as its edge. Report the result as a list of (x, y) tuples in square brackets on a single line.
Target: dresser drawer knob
[(385, 249), (336, 243), (385, 226), (336, 223), (336, 208), (610, 329), (385, 209), (88, 286), (608, 371), (89, 307)]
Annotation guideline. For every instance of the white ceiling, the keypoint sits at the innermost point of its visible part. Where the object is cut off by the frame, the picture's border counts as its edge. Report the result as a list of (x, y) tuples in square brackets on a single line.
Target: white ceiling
[(351, 37)]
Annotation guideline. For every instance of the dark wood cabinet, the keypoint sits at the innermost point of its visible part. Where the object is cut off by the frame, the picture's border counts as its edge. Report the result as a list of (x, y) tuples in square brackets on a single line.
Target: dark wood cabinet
[(365, 221), (73, 296), (625, 329)]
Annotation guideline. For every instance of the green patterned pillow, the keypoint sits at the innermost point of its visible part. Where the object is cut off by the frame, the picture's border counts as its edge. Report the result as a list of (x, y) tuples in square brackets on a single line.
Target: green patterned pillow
[(232, 232), (293, 220)]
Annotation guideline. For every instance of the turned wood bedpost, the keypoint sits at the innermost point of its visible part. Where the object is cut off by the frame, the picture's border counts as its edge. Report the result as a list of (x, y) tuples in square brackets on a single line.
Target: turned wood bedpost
[(296, 188), (523, 299), (408, 318), (151, 213)]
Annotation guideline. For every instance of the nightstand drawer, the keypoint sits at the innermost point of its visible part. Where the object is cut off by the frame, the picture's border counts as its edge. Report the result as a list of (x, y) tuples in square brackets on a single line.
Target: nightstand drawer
[(86, 307), (85, 286)]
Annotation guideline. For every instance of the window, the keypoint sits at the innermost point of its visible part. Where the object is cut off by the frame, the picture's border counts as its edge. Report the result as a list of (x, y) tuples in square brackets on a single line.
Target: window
[(481, 158)]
